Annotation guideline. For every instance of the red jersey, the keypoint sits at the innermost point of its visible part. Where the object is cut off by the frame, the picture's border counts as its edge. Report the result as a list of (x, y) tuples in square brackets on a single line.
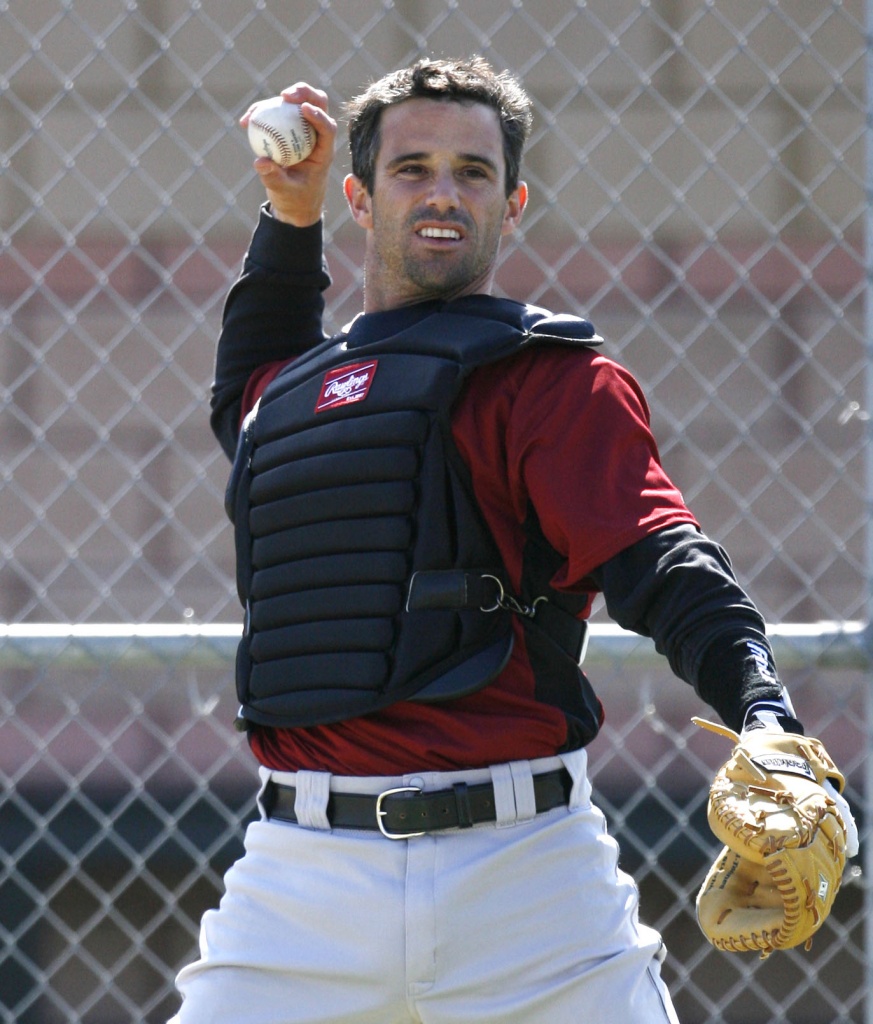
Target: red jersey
[(563, 429)]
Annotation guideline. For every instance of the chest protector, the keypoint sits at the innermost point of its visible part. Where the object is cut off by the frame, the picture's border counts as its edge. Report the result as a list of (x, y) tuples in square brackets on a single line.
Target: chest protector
[(367, 573)]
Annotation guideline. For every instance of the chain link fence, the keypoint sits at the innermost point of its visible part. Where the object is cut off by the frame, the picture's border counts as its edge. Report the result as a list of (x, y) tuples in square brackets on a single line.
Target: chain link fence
[(697, 173)]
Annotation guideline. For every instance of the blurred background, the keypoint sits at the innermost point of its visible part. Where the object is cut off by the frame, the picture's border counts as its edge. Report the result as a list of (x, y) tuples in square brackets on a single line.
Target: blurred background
[(698, 177)]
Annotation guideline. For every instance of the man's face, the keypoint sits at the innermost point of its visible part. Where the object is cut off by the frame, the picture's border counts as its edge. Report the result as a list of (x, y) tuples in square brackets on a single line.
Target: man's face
[(439, 205)]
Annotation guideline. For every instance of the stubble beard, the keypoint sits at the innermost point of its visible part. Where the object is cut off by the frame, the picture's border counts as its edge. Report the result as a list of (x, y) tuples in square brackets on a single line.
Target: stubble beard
[(440, 275)]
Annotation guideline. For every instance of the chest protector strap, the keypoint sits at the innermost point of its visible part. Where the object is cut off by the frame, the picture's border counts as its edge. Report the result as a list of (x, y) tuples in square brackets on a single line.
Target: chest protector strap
[(367, 573)]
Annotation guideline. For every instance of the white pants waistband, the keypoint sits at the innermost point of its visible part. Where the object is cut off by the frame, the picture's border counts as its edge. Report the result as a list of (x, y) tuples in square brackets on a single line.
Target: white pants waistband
[(512, 781)]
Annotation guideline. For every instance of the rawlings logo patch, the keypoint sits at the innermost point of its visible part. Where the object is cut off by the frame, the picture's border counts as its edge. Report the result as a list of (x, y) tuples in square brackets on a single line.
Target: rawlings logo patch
[(789, 764), (823, 887), (346, 385)]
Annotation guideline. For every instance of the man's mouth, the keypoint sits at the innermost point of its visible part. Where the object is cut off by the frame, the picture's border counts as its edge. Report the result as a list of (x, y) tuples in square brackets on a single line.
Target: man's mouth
[(451, 233)]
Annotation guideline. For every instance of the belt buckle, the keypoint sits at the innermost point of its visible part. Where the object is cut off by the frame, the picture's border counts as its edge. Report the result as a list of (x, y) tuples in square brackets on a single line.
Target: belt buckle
[(380, 814)]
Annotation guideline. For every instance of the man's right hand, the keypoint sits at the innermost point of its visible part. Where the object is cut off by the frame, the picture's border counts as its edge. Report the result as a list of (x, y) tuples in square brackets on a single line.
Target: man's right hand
[(296, 194)]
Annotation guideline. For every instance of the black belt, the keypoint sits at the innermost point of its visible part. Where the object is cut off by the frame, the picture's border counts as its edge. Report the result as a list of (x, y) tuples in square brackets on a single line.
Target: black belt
[(406, 811)]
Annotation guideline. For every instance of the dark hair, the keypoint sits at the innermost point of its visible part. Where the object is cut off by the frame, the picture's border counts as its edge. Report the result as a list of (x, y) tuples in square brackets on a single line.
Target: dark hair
[(463, 81)]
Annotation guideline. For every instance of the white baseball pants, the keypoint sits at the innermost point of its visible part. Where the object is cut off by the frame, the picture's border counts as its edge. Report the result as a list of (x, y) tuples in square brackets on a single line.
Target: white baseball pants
[(525, 921)]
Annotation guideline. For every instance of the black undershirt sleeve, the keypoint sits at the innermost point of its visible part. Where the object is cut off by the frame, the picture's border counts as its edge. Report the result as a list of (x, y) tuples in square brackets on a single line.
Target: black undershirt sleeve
[(273, 312), (677, 587)]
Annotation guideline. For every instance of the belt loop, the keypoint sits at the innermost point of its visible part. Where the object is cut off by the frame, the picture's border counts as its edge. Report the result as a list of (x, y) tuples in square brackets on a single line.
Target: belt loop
[(504, 798), (266, 793), (462, 802), (311, 798), (522, 784), (576, 763)]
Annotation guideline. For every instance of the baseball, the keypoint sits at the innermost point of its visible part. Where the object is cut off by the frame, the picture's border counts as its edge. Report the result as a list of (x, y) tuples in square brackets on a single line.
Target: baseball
[(277, 130)]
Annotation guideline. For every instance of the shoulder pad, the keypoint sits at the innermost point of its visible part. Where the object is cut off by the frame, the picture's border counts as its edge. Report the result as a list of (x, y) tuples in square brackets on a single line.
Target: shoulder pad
[(561, 326)]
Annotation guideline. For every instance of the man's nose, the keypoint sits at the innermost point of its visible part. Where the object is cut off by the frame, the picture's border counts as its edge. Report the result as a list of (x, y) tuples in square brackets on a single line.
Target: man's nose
[(444, 191)]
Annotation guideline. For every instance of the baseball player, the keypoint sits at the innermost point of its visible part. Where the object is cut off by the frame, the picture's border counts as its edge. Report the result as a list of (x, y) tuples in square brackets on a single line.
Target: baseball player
[(425, 506)]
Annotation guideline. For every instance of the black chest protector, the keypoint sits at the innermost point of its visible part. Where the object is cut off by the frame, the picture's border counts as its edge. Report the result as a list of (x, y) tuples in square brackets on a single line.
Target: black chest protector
[(366, 570)]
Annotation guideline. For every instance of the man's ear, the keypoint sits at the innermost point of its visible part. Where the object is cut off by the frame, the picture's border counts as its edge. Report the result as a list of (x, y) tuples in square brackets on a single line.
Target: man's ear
[(515, 204), (359, 201)]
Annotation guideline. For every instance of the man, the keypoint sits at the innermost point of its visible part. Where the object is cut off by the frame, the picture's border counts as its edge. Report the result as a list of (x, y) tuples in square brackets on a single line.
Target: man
[(425, 506)]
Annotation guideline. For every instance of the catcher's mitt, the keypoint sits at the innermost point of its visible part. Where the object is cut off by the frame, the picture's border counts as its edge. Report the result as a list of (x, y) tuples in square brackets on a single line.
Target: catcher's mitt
[(774, 883)]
